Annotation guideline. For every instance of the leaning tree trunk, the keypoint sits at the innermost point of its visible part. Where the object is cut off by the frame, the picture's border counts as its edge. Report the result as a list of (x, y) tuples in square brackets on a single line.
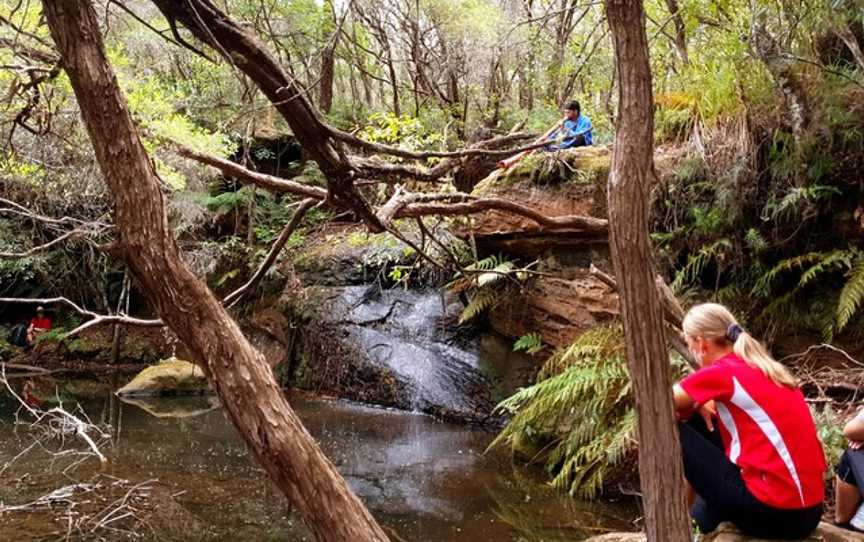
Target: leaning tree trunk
[(238, 373), (660, 467)]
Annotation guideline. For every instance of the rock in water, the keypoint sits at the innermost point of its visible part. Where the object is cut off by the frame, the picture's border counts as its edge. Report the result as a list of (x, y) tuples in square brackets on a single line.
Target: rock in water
[(169, 377), (728, 533)]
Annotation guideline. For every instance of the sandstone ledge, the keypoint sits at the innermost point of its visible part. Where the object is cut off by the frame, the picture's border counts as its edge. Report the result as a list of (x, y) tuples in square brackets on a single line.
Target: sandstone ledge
[(727, 533)]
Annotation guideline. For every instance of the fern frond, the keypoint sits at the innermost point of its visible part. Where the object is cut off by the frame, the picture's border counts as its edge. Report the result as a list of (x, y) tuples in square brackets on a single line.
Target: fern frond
[(835, 260), (852, 295), (482, 300), (766, 281), (495, 274), (580, 412), (696, 263)]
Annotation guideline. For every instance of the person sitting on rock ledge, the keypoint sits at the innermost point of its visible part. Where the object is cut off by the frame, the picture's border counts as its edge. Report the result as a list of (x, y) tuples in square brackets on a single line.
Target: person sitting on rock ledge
[(575, 130), (39, 324), (764, 470), (848, 510)]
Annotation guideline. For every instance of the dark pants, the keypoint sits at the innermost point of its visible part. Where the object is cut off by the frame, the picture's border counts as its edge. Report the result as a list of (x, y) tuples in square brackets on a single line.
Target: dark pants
[(850, 469), (723, 496)]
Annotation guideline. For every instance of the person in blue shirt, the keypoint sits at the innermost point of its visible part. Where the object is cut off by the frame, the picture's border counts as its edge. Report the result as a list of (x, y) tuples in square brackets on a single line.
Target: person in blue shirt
[(575, 130)]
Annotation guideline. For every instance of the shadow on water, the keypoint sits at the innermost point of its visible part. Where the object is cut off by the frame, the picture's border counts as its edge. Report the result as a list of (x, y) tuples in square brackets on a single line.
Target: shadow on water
[(425, 480)]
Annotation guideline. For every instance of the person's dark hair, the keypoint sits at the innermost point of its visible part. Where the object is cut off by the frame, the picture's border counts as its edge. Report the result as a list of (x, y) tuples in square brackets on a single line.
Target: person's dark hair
[(573, 106)]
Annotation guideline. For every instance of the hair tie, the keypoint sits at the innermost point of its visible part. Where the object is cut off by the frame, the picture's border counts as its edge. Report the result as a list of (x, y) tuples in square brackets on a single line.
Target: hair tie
[(733, 332)]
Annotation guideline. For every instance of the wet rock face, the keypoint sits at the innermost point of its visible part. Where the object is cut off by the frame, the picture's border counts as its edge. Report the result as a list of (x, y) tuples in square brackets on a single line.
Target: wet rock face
[(559, 310), (394, 348)]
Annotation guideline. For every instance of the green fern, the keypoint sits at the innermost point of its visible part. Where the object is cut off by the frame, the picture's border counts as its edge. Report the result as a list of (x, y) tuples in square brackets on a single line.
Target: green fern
[(851, 296), (813, 264), (482, 300), (788, 206), (697, 263), (531, 343), (495, 274), (485, 278), (578, 419)]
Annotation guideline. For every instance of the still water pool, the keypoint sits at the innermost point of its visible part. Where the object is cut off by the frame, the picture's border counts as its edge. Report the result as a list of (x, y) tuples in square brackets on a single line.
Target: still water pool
[(424, 480)]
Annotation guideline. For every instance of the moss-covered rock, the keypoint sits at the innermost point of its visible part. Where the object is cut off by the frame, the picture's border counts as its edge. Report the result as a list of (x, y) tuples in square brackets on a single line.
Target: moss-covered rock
[(169, 377), (571, 182), (350, 256)]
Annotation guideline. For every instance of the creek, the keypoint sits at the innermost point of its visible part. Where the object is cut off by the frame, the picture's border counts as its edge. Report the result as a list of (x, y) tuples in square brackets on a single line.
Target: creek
[(423, 479)]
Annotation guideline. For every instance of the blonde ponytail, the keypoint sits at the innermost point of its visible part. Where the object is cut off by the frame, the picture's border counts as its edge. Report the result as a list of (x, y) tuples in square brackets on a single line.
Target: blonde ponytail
[(715, 322)]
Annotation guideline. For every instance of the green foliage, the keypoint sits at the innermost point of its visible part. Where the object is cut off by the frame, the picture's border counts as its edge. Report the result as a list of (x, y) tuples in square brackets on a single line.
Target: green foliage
[(405, 131), (579, 413), (813, 270), (696, 263), (830, 432), (790, 205), (530, 343), (54, 335), (851, 295), (486, 280)]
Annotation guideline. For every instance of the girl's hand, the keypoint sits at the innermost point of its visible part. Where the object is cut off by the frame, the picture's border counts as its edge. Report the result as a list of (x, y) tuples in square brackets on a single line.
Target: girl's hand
[(855, 444), (708, 411)]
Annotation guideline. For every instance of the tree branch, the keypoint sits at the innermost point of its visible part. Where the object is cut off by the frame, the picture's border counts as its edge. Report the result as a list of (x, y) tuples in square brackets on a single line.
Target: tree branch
[(74, 234), (424, 155), (262, 180), (96, 319), (268, 262), (673, 314)]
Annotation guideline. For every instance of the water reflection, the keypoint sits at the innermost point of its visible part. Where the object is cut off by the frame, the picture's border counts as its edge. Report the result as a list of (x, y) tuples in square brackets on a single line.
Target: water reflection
[(427, 481)]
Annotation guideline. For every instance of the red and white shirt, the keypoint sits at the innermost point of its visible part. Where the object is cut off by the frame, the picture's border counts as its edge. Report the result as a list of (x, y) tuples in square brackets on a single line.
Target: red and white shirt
[(767, 431)]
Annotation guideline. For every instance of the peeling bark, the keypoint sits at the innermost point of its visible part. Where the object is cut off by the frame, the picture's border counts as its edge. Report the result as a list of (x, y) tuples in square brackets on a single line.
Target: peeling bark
[(239, 374), (660, 466)]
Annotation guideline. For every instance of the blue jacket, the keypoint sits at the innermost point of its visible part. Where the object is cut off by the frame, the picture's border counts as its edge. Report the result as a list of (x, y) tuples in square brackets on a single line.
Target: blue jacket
[(569, 131)]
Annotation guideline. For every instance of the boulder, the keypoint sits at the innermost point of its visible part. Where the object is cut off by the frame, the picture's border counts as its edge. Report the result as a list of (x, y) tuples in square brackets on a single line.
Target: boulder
[(349, 256), (826, 532), (169, 377), (571, 182), (618, 537), (559, 310)]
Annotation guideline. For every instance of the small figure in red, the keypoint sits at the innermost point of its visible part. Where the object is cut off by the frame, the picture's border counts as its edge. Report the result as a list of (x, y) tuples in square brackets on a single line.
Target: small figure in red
[(38, 324)]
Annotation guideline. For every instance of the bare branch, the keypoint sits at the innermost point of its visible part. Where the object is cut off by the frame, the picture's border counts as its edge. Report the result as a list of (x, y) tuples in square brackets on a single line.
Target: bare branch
[(424, 155), (96, 319), (268, 182), (74, 234), (673, 314), (590, 225)]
